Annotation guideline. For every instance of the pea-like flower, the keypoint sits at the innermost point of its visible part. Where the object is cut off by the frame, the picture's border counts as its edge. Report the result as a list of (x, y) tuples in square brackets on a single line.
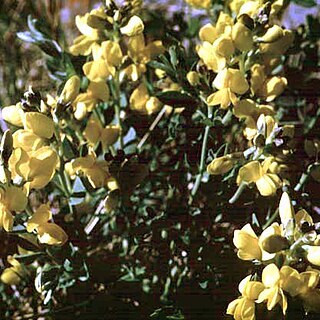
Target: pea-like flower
[(243, 308), (48, 232), (255, 172)]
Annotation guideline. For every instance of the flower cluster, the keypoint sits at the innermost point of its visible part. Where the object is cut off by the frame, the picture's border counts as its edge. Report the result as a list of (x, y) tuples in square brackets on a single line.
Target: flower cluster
[(279, 250)]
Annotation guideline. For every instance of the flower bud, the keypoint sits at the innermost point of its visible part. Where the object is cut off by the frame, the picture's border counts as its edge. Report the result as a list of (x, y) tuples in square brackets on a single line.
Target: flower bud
[(221, 165), (193, 78), (242, 37), (70, 90), (286, 210), (273, 34), (134, 27)]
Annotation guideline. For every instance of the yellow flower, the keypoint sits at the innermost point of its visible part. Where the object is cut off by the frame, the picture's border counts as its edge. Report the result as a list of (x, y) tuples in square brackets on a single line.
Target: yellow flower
[(85, 102), (313, 255), (247, 109), (13, 274), (96, 171), (141, 101), (203, 4), (48, 232), (11, 199), (94, 133), (223, 164), (134, 27), (309, 293), (70, 90), (273, 292), (242, 37), (272, 88), (247, 243), (193, 78), (37, 168), (13, 114), (229, 82), (39, 124), (83, 44), (140, 54), (243, 308), (254, 171), (26, 140), (280, 46), (272, 240)]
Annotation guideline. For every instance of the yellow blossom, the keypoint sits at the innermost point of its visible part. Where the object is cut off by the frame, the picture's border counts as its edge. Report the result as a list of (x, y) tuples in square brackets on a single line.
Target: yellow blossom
[(48, 232), (13, 274), (37, 167), (273, 292), (13, 114), (223, 164), (96, 171), (254, 171), (85, 102), (242, 37), (134, 27), (70, 90), (243, 308), (39, 124), (141, 101), (12, 198), (94, 133), (229, 82), (246, 241)]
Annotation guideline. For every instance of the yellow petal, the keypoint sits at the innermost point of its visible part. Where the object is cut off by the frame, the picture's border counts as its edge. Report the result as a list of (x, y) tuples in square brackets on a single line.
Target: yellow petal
[(15, 199), (266, 185), (39, 124), (98, 70), (52, 234), (134, 27), (109, 135), (237, 82), (70, 90), (27, 140), (242, 37), (313, 255), (10, 276), (301, 216), (82, 45), (111, 51), (42, 165), (13, 114), (291, 280), (139, 98), (92, 131), (286, 210), (221, 165), (99, 90), (270, 275), (40, 217), (208, 33), (250, 172)]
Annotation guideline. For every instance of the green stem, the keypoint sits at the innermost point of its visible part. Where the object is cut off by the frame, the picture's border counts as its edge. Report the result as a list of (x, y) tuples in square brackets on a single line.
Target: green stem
[(202, 158), (271, 219), (237, 194)]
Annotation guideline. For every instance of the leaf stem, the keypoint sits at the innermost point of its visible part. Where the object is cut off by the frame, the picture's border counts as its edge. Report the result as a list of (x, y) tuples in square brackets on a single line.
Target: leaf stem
[(202, 158)]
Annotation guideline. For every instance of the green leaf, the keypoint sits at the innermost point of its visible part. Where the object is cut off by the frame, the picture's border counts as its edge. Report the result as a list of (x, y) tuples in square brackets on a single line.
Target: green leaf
[(177, 99)]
